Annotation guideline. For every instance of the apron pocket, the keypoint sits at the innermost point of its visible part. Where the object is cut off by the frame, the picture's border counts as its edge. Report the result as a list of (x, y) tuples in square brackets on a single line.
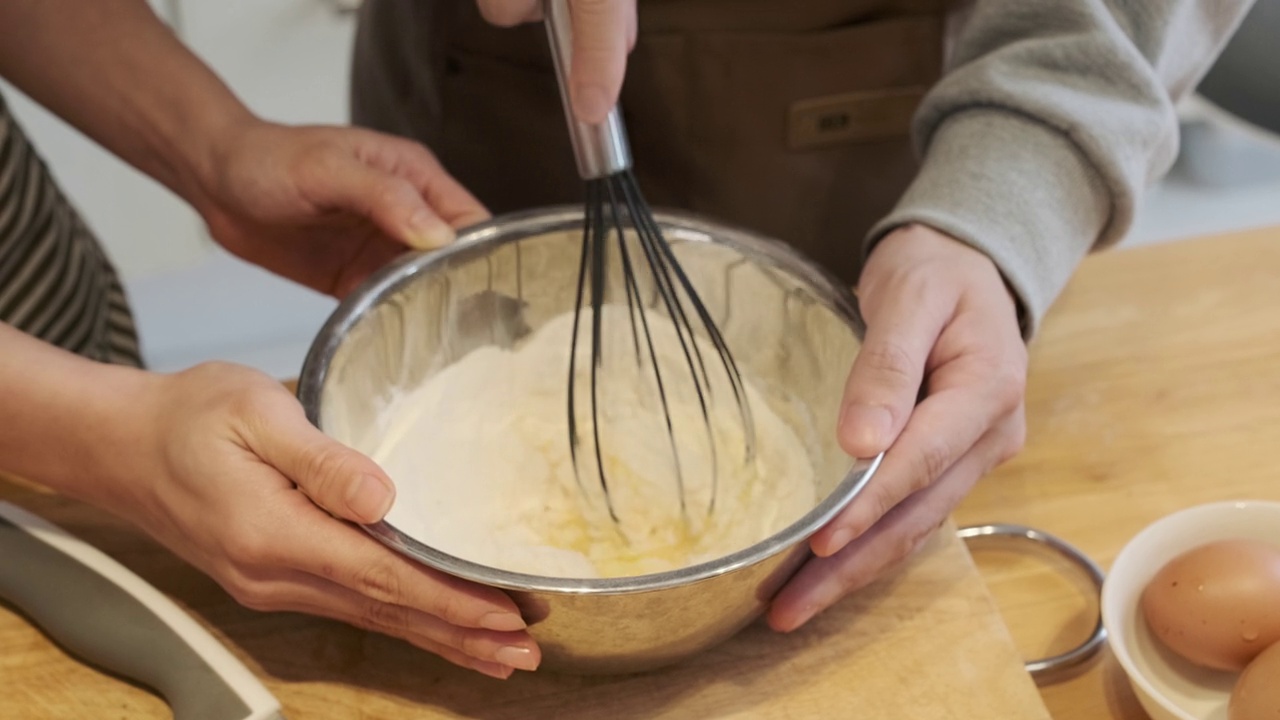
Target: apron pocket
[(790, 89)]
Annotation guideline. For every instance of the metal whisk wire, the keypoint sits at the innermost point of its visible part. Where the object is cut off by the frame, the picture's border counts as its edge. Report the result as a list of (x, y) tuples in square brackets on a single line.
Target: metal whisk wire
[(615, 204)]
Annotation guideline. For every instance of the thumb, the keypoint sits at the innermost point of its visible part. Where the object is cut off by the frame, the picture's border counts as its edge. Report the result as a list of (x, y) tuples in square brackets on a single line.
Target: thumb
[(601, 37), (887, 373), (342, 481), (393, 203)]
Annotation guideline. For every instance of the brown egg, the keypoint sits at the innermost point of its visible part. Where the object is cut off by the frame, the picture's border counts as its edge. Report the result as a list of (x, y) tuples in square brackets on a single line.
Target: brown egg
[(1257, 693), (1219, 604)]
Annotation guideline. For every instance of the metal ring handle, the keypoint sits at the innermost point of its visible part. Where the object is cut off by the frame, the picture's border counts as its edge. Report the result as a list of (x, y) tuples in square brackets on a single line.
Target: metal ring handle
[(1041, 668)]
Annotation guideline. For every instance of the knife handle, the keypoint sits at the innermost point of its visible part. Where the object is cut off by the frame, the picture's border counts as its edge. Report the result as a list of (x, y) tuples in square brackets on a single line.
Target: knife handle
[(104, 614)]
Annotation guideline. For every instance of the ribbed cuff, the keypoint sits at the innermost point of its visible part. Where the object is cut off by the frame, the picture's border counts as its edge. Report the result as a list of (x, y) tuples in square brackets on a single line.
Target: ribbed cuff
[(1017, 190)]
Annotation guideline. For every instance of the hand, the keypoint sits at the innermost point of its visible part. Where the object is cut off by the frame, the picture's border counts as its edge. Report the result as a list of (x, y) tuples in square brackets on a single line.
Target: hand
[(230, 446), (326, 206), (939, 317), (604, 31)]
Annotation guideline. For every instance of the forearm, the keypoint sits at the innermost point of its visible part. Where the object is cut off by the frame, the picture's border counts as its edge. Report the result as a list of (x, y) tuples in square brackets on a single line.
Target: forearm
[(116, 72), (1051, 120), (71, 424)]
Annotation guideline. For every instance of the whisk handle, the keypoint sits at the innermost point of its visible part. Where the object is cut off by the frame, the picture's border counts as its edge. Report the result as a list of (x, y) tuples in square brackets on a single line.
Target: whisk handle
[(601, 150)]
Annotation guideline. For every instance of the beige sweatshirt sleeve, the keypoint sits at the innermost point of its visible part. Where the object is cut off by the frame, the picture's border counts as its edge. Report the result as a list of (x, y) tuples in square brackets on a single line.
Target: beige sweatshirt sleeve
[(1051, 119)]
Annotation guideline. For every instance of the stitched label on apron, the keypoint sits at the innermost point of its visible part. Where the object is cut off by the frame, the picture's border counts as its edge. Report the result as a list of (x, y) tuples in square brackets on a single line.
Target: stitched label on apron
[(852, 117)]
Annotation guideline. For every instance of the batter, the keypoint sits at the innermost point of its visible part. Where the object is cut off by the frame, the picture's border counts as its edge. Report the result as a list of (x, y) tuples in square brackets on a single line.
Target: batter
[(481, 460)]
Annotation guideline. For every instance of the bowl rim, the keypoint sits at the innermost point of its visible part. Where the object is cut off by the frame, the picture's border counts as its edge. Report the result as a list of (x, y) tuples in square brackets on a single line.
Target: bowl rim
[(1120, 641), (478, 239)]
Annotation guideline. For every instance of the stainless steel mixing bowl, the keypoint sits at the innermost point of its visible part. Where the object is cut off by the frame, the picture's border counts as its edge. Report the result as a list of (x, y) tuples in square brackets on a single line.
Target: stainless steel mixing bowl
[(793, 329)]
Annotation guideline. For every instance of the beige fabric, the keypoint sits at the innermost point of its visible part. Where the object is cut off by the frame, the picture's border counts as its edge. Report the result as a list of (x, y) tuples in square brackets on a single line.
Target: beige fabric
[(719, 98)]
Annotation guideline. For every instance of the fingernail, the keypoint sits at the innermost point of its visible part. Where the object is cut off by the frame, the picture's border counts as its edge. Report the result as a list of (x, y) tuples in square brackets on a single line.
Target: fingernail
[(517, 657), (428, 232), (370, 498), (593, 103), (866, 428), (502, 622)]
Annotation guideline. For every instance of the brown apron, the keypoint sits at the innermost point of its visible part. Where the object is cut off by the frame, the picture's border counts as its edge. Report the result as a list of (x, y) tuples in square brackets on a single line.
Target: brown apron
[(789, 118)]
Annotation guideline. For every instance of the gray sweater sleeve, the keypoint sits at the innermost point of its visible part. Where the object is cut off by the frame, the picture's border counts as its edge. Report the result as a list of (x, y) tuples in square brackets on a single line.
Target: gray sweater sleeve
[(1052, 118)]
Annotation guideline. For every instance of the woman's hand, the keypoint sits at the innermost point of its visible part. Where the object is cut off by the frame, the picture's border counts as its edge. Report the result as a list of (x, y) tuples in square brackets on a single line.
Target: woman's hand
[(604, 31), (220, 465), (232, 482), (326, 206), (939, 319)]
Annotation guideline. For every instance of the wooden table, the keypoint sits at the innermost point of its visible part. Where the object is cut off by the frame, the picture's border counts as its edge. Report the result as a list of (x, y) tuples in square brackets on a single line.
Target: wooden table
[(1155, 385), (925, 643)]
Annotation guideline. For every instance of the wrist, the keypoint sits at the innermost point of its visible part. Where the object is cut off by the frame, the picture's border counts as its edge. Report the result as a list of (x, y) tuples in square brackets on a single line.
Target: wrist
[(113, 445), (1016, 189), (81, 428), (201, 168)]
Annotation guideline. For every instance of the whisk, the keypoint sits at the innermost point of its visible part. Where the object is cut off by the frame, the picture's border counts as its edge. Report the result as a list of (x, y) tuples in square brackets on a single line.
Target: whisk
[(615, 204)]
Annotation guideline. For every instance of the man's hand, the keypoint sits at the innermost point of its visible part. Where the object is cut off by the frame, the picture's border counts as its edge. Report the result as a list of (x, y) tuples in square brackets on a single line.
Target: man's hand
[(939, 320), (604, 31)]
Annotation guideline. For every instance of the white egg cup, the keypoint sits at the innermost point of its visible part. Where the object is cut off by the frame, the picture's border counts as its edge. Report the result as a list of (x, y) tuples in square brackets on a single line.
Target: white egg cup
[(1167, 686)]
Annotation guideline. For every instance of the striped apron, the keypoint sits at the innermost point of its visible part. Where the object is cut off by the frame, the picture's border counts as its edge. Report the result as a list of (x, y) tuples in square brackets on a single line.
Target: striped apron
[(56, 282)]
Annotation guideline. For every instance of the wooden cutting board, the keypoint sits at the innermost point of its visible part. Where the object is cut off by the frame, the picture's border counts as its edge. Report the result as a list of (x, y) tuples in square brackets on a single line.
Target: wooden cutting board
[(925, 643)]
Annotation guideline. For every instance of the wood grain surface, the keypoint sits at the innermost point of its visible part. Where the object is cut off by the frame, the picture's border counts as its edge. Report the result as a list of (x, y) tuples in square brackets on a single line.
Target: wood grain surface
[(919, 644), (1155, 386)]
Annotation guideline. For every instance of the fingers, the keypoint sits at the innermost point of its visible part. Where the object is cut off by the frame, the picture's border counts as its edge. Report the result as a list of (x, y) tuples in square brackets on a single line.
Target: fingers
[(396, 183), (304, 560), (454, 203), (446, 196), (337, 478), (885, 380), (359, 563), (393, 203), (937, 313), (603, 32), (509, 13), (256, 554), (939, 319), (970, 393), (942, 430), (236, 439), (824, 580), (331, 474), (491, 652)]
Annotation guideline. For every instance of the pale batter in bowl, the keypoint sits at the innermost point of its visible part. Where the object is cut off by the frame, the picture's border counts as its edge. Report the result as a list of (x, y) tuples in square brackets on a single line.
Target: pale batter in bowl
[(481, 459)]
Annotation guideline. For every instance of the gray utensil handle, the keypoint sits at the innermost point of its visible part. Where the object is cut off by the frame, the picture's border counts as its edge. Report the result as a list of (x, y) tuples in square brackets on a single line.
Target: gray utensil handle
[(101, 612)]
